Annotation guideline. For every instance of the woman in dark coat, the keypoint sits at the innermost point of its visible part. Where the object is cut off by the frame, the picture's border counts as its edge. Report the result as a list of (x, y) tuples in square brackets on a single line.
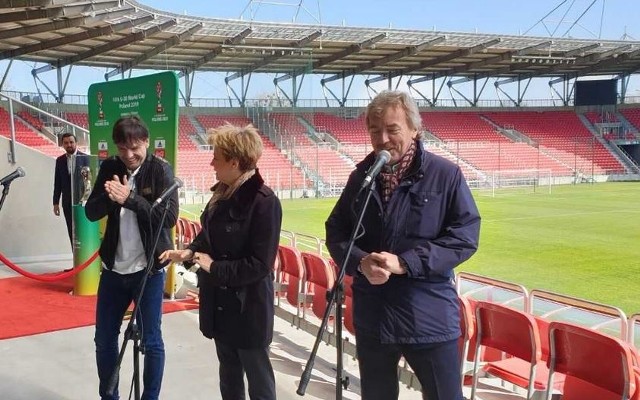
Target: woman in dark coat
[(236, 250)]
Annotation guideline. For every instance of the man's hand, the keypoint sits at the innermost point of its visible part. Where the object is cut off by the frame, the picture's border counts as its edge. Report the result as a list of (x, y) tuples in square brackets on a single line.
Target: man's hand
[(389, 262), (176, 255), (375, 274), (56, 210), (118, 191)]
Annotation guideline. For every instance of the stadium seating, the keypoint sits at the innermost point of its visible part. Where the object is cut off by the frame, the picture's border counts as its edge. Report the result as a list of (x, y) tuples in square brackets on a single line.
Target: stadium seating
[(633, 116), (468, 332), (345, 130), (507, 318), (348, 305), (562, 136), (80, 119), (26, 135), (597, 366), (600, 117), (599, 317), (515, 333), (292, 285), (320, 276)]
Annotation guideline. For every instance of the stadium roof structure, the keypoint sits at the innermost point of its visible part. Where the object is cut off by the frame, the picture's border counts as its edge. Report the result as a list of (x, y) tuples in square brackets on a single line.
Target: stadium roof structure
[(125, 34)]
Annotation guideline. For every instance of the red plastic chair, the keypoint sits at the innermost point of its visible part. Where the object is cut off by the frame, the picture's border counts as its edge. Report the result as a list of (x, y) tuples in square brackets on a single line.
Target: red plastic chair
[(180, 234), (515, 333), (189, 232), (321, 275), (348, 305), (597, 366), (468, 329), (292, 277)]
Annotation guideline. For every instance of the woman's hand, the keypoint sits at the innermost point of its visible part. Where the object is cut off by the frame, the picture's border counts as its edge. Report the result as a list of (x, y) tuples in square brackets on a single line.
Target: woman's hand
[(203, 260), (176, 255)]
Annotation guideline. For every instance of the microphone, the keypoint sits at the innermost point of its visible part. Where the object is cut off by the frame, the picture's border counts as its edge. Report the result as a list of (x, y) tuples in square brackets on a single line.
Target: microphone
[(177, 183), (382, 158), (14, 175)]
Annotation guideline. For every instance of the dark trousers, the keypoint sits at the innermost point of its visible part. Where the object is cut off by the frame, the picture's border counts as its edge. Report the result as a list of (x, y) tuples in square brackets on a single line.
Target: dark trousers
[(436, 365), (68, 219), (234, 363)]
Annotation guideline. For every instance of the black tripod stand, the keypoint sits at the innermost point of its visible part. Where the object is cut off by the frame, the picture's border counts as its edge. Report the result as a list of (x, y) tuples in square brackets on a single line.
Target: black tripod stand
[(132, 332), (335, 297)]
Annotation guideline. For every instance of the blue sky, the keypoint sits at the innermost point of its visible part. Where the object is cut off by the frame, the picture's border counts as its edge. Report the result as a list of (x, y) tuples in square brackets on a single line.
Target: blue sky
[(487, 16), (514, 17)]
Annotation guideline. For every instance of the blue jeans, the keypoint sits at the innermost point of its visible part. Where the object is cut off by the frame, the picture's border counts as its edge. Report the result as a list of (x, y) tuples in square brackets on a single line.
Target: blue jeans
[(436, 365), (115, 294)]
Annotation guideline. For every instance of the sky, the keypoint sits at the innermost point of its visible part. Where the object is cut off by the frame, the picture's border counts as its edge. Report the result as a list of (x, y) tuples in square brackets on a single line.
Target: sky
[(585, 19)]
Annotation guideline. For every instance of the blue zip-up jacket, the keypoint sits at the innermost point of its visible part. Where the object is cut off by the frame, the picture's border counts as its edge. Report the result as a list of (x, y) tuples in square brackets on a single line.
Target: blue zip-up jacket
[(433, 224)]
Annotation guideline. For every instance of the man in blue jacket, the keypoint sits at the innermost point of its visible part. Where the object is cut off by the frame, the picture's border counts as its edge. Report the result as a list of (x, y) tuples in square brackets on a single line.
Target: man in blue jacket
[(420, 224)]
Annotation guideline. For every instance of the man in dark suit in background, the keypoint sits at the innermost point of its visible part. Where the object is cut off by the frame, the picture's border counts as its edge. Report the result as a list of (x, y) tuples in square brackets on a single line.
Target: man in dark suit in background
[(63, 177)]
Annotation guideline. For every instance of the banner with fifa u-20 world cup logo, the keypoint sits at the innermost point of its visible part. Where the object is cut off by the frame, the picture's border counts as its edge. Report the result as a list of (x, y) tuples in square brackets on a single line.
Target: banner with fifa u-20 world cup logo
[(153, 98)]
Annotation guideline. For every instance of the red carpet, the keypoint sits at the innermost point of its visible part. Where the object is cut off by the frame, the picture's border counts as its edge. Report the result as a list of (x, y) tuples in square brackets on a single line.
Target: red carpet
[(29, 307)]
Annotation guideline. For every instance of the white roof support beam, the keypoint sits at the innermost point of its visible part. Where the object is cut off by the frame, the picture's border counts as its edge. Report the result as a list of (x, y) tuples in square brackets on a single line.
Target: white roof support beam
[(527, 50), (581, 51), (406, 52), (56, 11), (448, 57), (354, 48), (156, 50), (215, 52), (88, 34), (269, 59), (64, 23)]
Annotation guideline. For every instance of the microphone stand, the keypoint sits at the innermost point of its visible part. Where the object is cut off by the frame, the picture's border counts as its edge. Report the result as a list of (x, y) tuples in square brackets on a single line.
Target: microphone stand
[(335, 297), (133, 331), (5, 192)]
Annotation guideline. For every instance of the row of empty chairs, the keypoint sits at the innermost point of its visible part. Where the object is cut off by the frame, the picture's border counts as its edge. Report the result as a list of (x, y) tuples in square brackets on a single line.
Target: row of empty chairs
[(530, 349), (303, 280), (546, 342), (186, 231), (552, 357)]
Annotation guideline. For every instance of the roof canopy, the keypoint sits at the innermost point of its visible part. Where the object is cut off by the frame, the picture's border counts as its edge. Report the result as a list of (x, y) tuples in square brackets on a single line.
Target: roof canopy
[(126, 34)]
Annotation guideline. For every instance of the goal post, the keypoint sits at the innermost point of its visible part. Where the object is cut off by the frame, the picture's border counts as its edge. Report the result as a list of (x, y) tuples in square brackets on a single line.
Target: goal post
[(521, 181)]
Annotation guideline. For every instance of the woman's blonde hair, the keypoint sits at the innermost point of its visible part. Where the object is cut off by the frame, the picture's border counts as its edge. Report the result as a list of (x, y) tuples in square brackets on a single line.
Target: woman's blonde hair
[(240, 143)]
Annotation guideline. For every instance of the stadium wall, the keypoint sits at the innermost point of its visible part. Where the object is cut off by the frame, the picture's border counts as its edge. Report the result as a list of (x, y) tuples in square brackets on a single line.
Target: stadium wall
[(29, 232)]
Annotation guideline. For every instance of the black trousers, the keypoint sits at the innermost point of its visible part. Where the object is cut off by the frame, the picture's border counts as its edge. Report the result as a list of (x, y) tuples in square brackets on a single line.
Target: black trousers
[(436, 365), (68, 219), (234, 363)]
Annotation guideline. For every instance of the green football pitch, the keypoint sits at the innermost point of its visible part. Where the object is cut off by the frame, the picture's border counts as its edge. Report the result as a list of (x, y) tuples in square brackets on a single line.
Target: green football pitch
[(581, 240)]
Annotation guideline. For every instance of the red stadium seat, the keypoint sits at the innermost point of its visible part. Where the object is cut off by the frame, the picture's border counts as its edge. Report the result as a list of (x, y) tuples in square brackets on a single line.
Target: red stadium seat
[(468, 329), (320, 277), (598, 366), (292, 278), (516, 334)]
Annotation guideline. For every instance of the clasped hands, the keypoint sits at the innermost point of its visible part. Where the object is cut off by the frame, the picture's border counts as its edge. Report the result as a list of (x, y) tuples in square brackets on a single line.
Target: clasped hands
[(202, 259), (378, 267), (117, 190)]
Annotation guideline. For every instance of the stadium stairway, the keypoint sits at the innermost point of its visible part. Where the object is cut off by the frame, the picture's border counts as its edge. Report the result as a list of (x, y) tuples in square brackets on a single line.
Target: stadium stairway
[(627, 125), (613, 149), (198, 127)]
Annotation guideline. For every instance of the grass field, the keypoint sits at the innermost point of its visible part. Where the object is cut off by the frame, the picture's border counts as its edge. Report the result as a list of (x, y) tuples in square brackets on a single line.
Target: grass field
[(582, 240)]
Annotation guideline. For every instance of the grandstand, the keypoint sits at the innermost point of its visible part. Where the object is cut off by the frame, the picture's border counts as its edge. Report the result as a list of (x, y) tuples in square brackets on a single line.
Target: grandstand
[(310, 148)]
